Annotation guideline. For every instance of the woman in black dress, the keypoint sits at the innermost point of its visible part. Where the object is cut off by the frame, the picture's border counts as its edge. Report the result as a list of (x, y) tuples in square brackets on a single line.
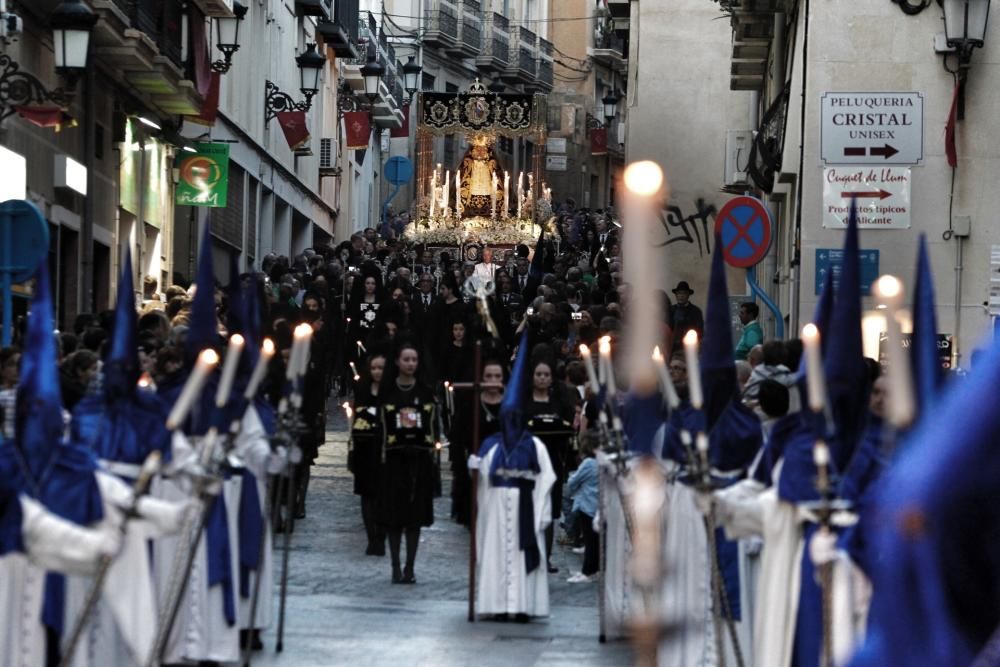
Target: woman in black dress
[(551, 422), (409, 427), (366, 450), (366, 300)]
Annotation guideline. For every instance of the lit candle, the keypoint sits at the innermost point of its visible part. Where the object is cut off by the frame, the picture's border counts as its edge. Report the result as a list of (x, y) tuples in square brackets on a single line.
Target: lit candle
[(354, 370), (229, 365), (495, 181), (701, 443), (302, 337), (446, 192), (361, 346), (145, 381), (694, 369), (260, 370), (449, 397), (588, 363), (520, 193), (350, 417), (815, 382), (609, 370), (644, 187), (888, 291), (506, 194), (666, 384), (434, 177), (206, 362), (458, 195)]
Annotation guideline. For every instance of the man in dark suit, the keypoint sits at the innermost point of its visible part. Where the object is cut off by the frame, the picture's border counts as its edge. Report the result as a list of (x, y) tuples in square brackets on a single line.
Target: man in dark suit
[(685, 315)]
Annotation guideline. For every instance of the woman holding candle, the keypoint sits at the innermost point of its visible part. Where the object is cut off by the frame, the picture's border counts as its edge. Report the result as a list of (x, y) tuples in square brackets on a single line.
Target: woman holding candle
[(366, 449), (366, 301), (409, 435), (550, 419)]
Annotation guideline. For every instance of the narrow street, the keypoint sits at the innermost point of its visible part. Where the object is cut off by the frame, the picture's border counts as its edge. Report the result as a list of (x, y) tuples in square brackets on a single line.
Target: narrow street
[(343, 610)]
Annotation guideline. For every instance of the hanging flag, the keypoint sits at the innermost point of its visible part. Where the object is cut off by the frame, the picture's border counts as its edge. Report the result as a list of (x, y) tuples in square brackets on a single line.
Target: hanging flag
[(949, 129), (357, 128), (53, 117), (293, 124), (404, 131), (599, 141), (210, 105)]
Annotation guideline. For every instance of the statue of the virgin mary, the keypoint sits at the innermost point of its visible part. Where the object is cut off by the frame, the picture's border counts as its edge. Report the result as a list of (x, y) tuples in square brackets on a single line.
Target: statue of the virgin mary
[(478, 169)]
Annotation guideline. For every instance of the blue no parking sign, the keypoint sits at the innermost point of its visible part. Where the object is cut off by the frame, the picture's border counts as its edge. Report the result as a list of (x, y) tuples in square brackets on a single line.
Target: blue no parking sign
[(744, 227)]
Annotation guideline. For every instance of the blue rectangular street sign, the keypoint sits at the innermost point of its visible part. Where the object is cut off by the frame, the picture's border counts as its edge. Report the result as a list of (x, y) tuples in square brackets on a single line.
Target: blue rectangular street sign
[(830, 259)]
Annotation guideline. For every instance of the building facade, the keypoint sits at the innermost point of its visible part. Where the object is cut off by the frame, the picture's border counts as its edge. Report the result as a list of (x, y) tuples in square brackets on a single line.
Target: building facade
[(716, 95)]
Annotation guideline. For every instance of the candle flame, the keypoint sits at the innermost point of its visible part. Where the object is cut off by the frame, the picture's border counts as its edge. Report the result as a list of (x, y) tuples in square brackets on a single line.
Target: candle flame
[(605, 345), (268, 347), (584, 350), (236, 339), (888, 287), (643, 178), (303, 330), (210, 357), (810, 331), (145, 380), (821, 454), (657, 355), (691, 338)]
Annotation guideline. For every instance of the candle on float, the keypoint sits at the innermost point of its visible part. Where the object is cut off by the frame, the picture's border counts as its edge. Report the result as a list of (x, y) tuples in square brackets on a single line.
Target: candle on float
[(693, 369), (888, 292), (588, 363), (506, 194), (520, 193), (260, 370), (302, 337), (199, 374), (229, 365), (643, 197), (433, 199), (446, 191), (815, 382), (458, 195), (494, 182), (604, 348), (666, 384)]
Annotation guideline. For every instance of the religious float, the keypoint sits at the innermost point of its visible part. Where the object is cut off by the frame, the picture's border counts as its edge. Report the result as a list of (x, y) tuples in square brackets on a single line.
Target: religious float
[(478, 203)]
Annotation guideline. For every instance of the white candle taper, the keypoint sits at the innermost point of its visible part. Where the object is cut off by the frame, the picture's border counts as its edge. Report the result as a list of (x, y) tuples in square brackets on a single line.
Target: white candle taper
[(693, 369), (458, 195), (233, 351), (506, 194), (495, 181), (666, 384), (206, 362), (888, 291), (260, 370), (350, 417), (520, 193), (354, 371), (361, 346), (644, 186), (607, 364), (446, 192), (303, 337), (588, 363), (815, 381)]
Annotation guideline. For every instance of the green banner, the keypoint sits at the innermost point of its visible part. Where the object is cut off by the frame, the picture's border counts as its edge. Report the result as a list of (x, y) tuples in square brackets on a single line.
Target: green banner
[(204, 176)]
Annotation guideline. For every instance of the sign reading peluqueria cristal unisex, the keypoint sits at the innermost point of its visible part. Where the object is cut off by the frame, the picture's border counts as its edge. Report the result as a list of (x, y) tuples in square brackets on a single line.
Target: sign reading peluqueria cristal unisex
[(872, 128), (203, 175)]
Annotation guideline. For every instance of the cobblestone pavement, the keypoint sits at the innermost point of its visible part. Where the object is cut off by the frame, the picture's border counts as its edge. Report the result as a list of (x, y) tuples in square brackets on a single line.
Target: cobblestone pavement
[(343, 610)]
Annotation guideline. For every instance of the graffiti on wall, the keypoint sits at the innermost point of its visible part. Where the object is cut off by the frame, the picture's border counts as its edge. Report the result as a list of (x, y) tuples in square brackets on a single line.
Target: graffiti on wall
[(693, 229)]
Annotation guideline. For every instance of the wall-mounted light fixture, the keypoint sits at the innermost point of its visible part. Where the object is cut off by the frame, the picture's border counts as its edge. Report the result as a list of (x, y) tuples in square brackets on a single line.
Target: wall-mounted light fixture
[(276, 101), (227, 36)]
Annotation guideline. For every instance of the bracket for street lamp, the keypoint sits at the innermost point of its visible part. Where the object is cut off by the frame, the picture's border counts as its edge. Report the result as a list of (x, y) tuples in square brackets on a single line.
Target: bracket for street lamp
[(19, 88), (277, 101)]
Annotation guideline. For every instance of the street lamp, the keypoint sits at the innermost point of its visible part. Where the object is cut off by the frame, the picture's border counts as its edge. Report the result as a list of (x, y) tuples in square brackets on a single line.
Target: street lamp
[(965, 23), (964, 29), (610, 103), (310, 63), (227, 36), (372, 73), (411, 76), (71, 23)]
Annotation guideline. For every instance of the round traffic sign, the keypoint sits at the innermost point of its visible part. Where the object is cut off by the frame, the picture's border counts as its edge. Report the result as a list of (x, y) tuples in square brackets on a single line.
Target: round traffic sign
[(744, 230), (398, 170), (24, 230)]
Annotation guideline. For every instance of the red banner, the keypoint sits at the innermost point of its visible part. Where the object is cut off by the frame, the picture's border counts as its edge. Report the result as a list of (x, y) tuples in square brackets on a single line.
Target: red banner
[(210, 105), (49, 117), (403, 132), (950, 150), (599, 141), (293, 124), (357, 129)]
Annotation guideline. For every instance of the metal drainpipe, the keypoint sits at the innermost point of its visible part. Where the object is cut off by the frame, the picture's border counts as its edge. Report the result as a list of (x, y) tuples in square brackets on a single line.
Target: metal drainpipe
[(956, 345), (796, 263), (86, 292), (778, 70)]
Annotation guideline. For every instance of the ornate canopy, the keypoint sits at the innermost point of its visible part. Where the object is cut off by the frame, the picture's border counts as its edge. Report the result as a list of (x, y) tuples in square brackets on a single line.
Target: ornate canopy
[(478, 111)]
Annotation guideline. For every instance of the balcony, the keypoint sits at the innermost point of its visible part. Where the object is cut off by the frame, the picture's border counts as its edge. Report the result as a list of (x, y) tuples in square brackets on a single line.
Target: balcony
[(611, 51), (753, 28), (142, 42), (470, 31), (387, 108), (321, 8), (495, 52), (543, 62), (521, 66), (619, 8), (337, 38), (215, 7), (442, 25)]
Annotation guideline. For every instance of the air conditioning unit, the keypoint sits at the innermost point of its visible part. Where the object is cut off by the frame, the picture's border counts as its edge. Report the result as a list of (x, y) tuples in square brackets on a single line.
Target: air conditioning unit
[(328, 157)]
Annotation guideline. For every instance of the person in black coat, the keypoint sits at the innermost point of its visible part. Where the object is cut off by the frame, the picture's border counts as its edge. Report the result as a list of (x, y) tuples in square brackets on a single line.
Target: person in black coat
[(365, 457), (409, 416)]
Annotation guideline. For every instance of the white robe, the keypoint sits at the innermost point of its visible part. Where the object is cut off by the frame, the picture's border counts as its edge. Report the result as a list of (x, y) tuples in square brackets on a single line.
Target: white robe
[(617, 593), (752, 510), (50, 543), (122, 627), (503, 584)]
